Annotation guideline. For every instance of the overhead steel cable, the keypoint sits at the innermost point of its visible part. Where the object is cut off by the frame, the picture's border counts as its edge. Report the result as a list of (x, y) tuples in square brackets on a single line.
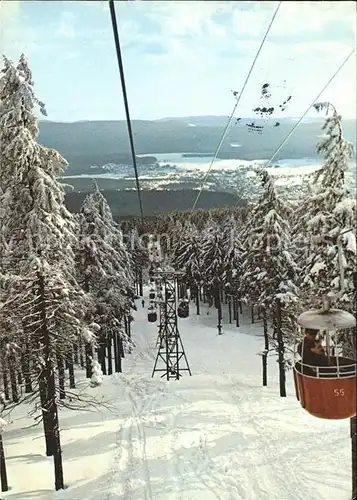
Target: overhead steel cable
[(310, 105), (125, 98), (235, 107)]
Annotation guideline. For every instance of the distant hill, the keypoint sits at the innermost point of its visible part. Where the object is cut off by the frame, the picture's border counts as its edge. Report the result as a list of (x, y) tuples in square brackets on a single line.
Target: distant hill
[(89, 143), (209, 121)]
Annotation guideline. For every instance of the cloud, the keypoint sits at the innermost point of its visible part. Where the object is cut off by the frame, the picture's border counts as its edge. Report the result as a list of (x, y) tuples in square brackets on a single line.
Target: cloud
[(9, 23), (191, 19), (14, 30), (201, 48), (66, 25), (197, 31), (294, 18)]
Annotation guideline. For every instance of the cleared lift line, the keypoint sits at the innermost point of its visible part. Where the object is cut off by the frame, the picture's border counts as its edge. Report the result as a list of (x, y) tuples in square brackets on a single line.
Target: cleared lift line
[(235, 107)]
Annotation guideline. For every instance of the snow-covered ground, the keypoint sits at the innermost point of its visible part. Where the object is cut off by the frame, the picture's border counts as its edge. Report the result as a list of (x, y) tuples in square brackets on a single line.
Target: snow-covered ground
[(216, 435)]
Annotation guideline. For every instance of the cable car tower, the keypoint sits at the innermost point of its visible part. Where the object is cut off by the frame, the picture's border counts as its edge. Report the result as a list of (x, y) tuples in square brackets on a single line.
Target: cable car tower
[(171, 352)]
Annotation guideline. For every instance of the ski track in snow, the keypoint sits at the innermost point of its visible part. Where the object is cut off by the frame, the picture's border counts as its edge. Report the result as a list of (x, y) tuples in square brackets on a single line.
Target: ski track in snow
[(223, 479), (222, 476), (177, 473), (248, 468), (130, 459), (278, 475), (137, 463)]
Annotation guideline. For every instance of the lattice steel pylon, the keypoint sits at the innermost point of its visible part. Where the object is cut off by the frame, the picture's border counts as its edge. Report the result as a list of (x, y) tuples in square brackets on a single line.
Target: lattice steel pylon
[(170, 348)]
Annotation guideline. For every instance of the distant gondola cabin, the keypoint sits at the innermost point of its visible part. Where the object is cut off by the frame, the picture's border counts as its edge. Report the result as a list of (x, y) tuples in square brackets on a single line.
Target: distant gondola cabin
[(183, 309)]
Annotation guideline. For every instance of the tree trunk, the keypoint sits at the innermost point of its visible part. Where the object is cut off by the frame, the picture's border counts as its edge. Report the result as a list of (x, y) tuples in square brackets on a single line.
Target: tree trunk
[(129, 334), (281, 351), (57, 455), (219, 310), (141, 283), (109, 354), (102, 352), (89, 357), (237, 313), (5, 384), (234, 309), (230, 309), (252, 313), (81, 356), (25, 366), (121, 348), (72, 381), (47, 376), (61, 376), (117, 356), (45, 419), (13, 379), (197, 296), (75, 354), (266, 349), (3, 474), (19, 378)]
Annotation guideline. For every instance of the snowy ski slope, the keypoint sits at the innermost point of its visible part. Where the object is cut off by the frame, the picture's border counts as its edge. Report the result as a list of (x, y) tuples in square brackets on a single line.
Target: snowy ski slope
[(218, 435)]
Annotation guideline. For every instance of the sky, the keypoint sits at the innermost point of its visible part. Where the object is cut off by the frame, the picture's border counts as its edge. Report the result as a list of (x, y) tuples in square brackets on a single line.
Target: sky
[(181, 58)]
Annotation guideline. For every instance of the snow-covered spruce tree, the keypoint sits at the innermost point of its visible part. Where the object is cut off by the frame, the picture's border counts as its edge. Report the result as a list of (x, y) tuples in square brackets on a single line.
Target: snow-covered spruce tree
[(233, 252), (104, 270), (41, 300), (174, 232), (188, 258), (139, 256), (127, 262), (269, 272), (327, 212), (213, 264)]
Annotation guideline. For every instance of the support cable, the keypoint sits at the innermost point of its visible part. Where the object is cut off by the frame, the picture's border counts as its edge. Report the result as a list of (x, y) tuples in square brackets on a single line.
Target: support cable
[(310, 105), (126, 104), (235, 107)]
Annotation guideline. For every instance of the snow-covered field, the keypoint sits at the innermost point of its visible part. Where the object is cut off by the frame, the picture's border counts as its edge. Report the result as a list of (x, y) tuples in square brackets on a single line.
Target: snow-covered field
[(216, 435)]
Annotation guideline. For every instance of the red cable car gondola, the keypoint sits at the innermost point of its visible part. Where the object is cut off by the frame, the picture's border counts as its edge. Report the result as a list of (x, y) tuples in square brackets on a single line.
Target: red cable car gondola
[(328, 392)]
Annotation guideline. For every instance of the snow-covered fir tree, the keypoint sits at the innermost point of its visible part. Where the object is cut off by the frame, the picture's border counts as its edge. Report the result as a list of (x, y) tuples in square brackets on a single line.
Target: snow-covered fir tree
[(213, 256), (327, 212), (188, 258), (37, 229), (213, 265), (174, 234), (269, 271), (104, 268), (41, 302), (139, 256), (233, 251)]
